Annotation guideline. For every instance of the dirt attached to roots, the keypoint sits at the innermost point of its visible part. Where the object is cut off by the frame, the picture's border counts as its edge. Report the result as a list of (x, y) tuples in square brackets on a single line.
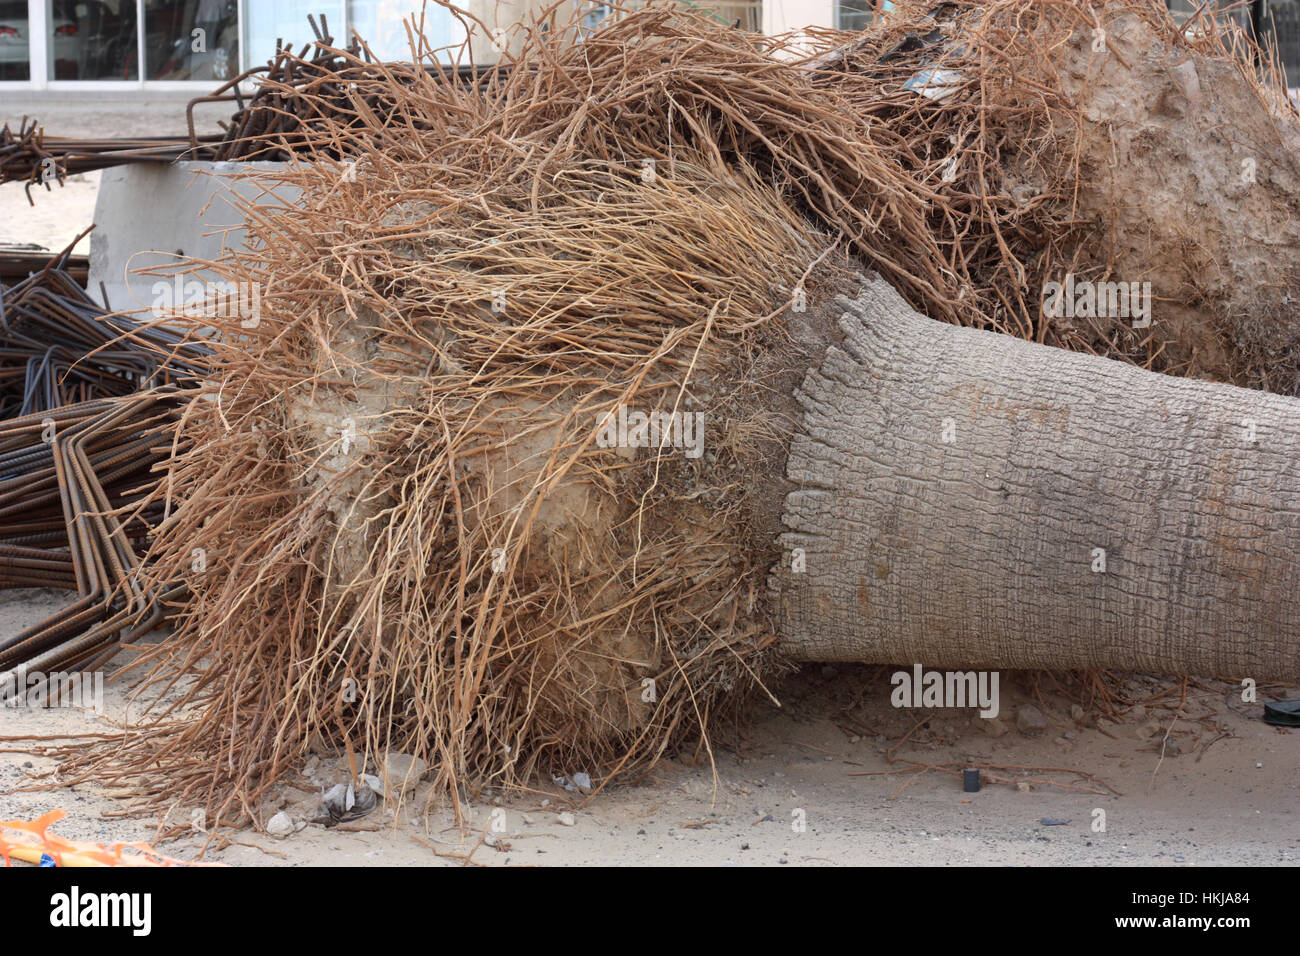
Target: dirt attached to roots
[(1192, 173)]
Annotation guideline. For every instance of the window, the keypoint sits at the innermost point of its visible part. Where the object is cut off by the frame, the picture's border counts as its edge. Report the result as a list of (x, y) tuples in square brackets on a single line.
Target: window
[(590, 14), (15, 41), (265, 23), (854, 14), (1279, 26), (747, 16), (382, 24), (92, 39), (1231, 10), (191, 39)]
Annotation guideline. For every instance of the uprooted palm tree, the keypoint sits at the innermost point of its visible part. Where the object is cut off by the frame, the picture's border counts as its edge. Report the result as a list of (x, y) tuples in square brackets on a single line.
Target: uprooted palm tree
[(423, 486)]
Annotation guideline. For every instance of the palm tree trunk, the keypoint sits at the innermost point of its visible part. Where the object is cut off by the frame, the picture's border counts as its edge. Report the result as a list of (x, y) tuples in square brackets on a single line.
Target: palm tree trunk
[(968, 498)]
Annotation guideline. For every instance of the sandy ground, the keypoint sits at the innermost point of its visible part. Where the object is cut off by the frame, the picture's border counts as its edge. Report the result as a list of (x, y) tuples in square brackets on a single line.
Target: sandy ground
[(1225, 791), (93, 116), (56, 216)]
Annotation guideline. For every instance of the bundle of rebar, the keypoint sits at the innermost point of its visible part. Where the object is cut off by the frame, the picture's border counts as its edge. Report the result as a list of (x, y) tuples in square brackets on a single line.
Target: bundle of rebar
[(71, 484), (59, 347), (84, 398), (28, 155), (302, 97), (20, 261)]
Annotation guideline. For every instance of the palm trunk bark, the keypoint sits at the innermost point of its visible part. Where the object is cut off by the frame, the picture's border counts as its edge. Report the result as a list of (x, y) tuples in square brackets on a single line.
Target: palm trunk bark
[(969, 499)]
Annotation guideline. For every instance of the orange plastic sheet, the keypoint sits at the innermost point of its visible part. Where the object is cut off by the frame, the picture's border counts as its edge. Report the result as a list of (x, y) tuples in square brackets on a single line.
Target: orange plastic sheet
[(33, 843)]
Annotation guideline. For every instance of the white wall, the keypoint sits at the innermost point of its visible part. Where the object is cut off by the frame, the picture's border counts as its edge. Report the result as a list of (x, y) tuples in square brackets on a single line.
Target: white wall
[(781, 16)]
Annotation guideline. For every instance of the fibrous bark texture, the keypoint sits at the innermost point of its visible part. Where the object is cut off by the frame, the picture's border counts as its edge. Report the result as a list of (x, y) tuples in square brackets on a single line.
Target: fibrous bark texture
[(968, 498)]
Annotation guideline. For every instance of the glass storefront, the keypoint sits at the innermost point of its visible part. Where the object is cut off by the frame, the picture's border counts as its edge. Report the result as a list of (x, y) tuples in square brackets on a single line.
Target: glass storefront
[(211, 41), (381, 23), (203, 41)]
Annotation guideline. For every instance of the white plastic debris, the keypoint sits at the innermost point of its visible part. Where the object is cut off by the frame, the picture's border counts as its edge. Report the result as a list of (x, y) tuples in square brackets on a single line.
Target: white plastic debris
[(934, 84)]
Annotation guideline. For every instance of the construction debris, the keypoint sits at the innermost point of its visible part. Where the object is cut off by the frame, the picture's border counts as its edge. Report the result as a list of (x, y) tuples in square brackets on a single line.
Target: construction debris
[(60, 347), (84, 398), (301, 98), (31, 842), (28, 155), (20, 260), (74, 499), (298, 100)]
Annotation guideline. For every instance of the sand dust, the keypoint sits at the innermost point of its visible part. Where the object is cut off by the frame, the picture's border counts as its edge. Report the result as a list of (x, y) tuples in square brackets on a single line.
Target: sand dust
[(1232, 801)]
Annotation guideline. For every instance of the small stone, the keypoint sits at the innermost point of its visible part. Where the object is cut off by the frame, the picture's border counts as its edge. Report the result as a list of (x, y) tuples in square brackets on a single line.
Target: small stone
[(1030, 719), (566, 819), (1024, 786), (401, 772), (280, 825), (993, 726), (1076, 713), (1147, 730), (529, 819)]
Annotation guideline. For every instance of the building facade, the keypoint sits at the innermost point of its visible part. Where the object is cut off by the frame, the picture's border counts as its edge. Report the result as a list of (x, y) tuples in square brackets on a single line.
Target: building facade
[(129, 45)]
